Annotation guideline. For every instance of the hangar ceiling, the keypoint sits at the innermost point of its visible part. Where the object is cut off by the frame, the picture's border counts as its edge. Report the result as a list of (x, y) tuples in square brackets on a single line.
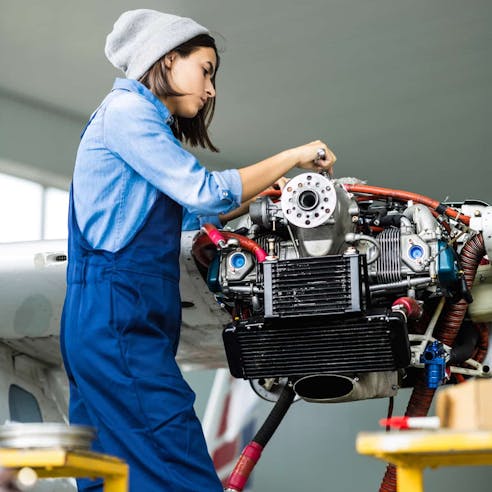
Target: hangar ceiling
[(400, 90)]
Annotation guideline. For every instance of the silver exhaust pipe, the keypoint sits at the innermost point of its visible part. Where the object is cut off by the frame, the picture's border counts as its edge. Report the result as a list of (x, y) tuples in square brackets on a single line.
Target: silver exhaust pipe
[(335, 388), (324, 387)]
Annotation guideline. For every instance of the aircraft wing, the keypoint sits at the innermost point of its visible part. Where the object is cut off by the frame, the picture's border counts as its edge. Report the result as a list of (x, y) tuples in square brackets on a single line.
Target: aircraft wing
[(33, 289)]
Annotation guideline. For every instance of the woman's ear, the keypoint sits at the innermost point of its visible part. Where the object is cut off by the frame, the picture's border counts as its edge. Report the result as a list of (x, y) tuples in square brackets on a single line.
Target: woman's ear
[(169, 58)]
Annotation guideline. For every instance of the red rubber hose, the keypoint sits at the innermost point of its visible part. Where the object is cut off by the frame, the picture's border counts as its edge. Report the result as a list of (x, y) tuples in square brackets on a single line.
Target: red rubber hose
[(219, 238), (249, 245), (214, 234)]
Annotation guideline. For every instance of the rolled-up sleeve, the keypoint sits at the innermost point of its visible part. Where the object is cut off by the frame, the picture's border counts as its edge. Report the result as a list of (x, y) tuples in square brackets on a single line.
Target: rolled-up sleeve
[(135, 131)]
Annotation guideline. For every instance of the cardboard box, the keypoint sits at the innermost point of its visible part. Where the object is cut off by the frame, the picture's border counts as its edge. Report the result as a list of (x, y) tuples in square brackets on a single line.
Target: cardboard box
[(467, 406)]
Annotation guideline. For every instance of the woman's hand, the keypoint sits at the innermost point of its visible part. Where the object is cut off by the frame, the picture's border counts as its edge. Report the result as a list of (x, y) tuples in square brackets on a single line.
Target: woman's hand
[(307, 157), (259, 176)]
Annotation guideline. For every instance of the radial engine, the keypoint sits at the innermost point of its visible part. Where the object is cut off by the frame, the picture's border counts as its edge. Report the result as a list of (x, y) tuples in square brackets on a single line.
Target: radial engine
[(346, 291)]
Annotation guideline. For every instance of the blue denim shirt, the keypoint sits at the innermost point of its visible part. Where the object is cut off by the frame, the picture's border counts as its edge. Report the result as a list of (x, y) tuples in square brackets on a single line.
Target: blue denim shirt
[(127, 153)]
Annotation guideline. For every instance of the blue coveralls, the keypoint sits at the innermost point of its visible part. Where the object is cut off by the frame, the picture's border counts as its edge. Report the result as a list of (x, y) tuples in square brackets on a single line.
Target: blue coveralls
[(120, 332), (119, 336)]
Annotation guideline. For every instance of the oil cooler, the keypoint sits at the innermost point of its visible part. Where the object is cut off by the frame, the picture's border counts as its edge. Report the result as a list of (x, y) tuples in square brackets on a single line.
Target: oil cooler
[(316, 322)]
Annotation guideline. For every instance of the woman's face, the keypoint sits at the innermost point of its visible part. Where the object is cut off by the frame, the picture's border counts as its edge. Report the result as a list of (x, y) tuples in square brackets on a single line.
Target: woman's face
[(191, 76)]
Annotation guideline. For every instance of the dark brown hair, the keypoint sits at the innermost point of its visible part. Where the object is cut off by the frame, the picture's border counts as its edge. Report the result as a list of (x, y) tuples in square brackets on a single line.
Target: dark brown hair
[(190, 130)]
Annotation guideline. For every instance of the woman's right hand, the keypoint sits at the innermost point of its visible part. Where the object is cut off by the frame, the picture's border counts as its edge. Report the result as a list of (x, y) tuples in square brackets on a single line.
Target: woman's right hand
[(307, 157), (259, 176)]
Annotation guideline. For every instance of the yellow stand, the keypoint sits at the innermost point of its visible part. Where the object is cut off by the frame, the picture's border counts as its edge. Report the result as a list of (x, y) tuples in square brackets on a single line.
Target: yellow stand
[(413, 451), (59, 462)]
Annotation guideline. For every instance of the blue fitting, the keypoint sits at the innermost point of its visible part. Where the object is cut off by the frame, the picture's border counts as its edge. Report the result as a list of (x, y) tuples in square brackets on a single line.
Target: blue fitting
[(434, 358)]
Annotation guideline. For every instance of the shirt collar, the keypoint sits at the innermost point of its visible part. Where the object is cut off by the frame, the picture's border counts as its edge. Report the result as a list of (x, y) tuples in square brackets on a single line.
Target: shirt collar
[(132, 85)]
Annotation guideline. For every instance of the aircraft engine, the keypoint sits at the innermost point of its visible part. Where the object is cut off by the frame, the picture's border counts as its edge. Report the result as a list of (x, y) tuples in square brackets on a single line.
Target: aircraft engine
[(345, 291)]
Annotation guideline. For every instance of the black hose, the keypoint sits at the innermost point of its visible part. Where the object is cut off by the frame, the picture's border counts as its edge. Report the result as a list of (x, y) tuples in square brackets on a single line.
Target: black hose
[(275, 416), (252, 452), (390, 220)]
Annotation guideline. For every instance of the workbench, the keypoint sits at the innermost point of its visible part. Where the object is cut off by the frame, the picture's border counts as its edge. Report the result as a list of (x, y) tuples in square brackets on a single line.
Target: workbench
[(60, 462), (413, 451)]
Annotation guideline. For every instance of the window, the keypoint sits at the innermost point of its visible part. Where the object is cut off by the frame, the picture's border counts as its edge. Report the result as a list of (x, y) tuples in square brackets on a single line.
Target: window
[(30, 211), (55, 214), (20, 209), (23, 406)]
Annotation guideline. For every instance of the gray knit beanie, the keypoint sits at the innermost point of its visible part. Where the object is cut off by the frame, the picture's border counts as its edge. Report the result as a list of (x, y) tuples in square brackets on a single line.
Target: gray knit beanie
[(140, 37)]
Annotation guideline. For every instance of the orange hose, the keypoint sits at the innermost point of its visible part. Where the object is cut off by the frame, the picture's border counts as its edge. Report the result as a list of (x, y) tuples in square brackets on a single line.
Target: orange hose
[(271, 193), (405, 196), (365, 198)]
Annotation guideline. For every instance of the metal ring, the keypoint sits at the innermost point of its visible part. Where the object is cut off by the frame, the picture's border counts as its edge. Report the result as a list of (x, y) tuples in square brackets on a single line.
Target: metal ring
[(45, 435)]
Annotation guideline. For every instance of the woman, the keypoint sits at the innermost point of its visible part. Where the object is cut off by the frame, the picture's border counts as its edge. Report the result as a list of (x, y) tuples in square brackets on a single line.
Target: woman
[(133, 184)]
